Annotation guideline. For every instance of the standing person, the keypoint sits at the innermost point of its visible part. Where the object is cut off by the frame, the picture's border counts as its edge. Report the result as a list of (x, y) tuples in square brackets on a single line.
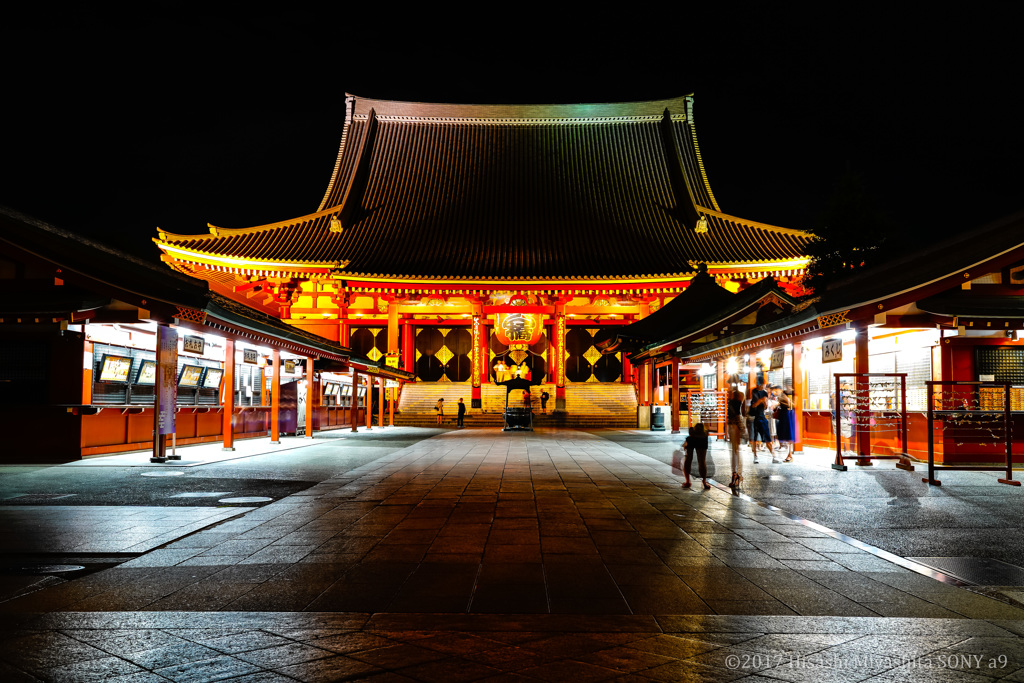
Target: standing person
[(439, 407), (544, 396), (696, 440), (762, 432), (735, 418), (773, 403), (787, 425), (748, 418), (462, 413), (527, 399)]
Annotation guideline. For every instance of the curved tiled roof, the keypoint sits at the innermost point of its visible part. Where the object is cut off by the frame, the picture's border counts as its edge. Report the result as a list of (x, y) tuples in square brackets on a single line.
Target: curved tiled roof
[(512, 191)]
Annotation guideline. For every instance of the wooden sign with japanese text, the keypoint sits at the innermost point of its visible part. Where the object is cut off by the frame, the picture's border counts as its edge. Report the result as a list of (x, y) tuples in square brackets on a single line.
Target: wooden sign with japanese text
[(831, 350)]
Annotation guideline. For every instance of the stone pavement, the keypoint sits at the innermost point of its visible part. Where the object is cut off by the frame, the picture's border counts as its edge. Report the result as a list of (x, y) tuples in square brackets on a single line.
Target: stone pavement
[(475, 555)]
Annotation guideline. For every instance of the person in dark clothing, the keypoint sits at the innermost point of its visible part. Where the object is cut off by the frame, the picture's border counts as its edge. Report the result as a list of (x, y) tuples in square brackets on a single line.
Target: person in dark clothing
[(762, 431), (696, 440), (544, 396), (462, 412)]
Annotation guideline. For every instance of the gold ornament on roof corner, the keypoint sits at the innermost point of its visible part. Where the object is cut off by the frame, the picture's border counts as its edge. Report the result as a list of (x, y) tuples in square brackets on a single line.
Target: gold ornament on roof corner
[(702, 225), (336, 225)]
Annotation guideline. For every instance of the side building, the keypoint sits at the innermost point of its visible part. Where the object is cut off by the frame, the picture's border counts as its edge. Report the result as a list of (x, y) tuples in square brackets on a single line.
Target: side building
[(457, 242)]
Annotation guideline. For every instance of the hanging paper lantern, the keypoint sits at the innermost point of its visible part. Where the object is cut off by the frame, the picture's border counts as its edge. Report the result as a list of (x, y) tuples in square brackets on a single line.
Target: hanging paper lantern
[(518, 328)]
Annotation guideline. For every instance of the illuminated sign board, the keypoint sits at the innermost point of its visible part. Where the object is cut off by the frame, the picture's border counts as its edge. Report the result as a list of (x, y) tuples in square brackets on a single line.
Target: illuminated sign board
[(147, 373), (190, 375), (115, 369), (212, 378)]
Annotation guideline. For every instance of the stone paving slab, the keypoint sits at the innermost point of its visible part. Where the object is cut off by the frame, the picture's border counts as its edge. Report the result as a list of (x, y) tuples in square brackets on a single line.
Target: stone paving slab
[(475, 556), (258, 646), (106, 529), (474, 522)]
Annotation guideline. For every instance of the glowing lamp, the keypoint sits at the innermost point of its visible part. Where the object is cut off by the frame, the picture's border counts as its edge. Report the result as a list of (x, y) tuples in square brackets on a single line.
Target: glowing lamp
[(518, 328), (732, 366)]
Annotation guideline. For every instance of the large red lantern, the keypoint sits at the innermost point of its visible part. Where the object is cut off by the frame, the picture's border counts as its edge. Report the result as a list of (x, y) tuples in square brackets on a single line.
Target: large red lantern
[(521, 329)]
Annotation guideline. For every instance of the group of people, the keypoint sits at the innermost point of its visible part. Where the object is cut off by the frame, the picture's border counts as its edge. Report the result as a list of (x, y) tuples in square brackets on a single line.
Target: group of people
[(766, 417), (461, 415)]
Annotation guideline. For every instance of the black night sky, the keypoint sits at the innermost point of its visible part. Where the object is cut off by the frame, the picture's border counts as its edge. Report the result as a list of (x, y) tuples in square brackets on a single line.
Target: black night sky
[(114, 126)]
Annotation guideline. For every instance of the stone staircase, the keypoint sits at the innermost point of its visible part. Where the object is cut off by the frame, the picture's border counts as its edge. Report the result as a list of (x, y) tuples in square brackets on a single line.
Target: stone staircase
[(588, 405)]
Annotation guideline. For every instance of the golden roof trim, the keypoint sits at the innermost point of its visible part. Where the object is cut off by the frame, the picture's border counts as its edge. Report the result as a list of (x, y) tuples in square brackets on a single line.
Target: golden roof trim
[(208, 258), (511, 121), (216, 231), (753, 224)]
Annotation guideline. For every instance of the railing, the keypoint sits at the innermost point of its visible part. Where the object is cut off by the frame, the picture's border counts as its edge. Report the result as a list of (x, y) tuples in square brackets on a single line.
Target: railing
[(973, 414), (870, 403)]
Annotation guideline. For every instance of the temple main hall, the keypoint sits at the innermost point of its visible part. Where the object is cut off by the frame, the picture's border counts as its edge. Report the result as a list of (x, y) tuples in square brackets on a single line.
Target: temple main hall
[(472, 243)]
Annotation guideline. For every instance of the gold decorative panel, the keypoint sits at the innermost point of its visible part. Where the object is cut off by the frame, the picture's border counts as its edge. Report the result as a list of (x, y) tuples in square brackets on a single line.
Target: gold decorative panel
[(444, 355), (832, 319), (592, 355)]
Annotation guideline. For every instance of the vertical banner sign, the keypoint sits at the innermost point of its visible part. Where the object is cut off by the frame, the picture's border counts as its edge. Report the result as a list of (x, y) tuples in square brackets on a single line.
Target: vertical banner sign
[(477, 360), (832, 350), (560, 336), (167, 357)]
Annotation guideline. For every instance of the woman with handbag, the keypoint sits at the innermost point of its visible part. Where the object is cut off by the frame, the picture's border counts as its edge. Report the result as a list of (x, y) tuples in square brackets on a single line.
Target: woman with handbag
[(736, 420)]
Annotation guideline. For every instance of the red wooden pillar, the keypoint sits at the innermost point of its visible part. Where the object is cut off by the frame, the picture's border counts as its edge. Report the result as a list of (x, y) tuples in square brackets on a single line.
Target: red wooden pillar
[(798, 396), (863, 398), (752, 374), (355, 401), (380, 401), (391, 407), (652, 373), (275, 399), (229, 395), (408, 346), (368, 402), (343, 328), (674, 369), (312, 400), (627, 370), (723, 385)]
